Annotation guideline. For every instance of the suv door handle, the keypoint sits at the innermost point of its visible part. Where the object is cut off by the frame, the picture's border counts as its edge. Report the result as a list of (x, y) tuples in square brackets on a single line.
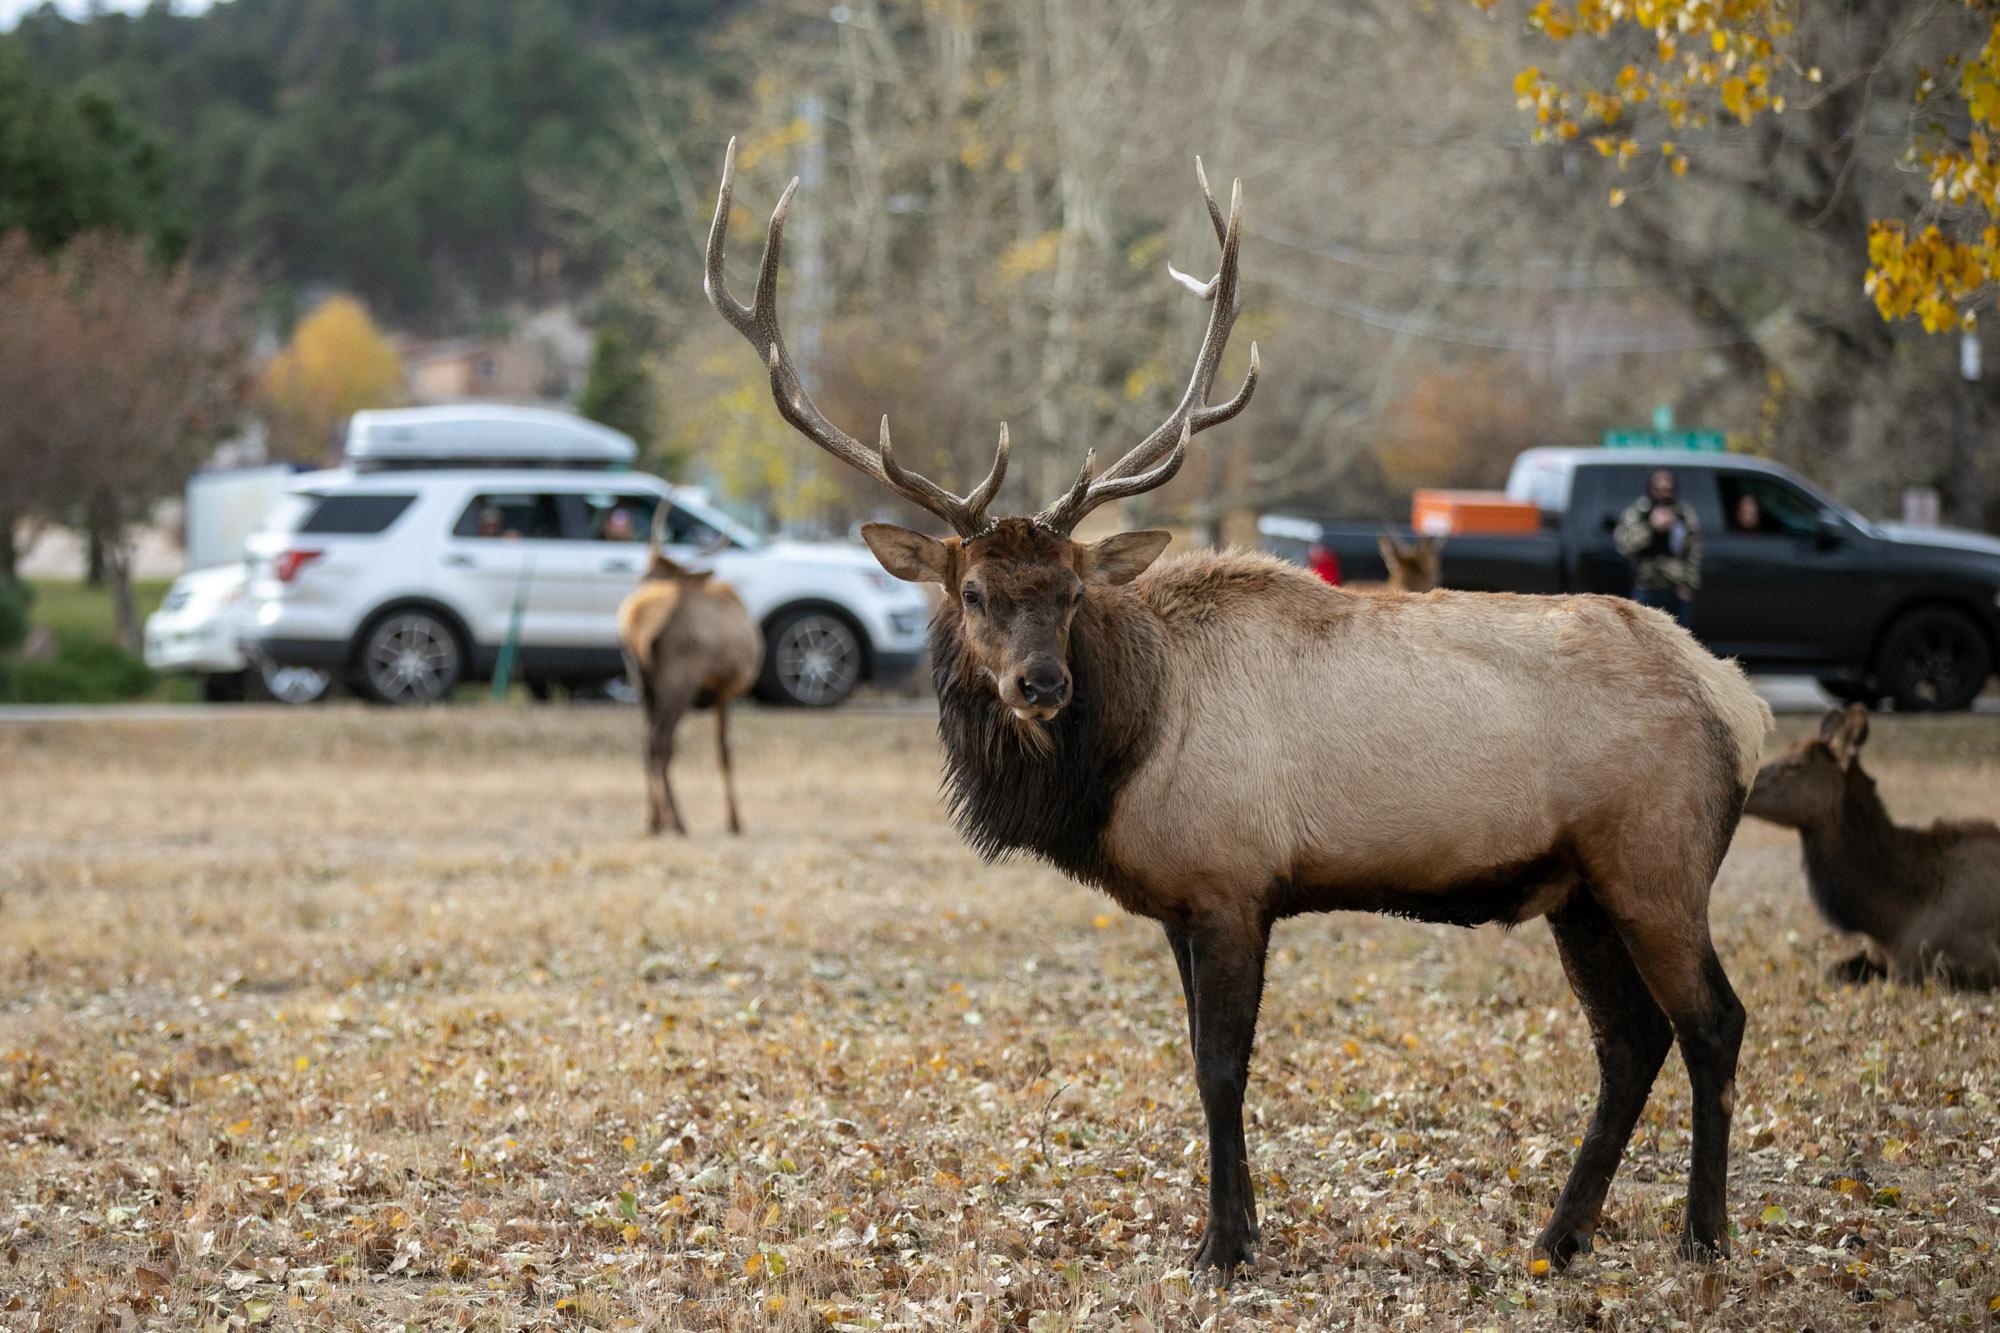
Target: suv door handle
[(619, 567), (457, 561)]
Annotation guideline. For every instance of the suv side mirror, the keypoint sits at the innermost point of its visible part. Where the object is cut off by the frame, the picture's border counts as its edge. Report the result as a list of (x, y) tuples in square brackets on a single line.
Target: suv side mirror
[(1829, 528)]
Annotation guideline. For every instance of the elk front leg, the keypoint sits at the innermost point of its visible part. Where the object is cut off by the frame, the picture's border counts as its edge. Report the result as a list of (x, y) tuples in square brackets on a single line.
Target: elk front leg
[(1226, 965), (1182, 944), (728, 773)]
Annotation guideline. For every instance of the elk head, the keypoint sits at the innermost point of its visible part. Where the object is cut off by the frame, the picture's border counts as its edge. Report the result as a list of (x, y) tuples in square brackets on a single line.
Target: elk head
[(1014, 585), (1807, 784)]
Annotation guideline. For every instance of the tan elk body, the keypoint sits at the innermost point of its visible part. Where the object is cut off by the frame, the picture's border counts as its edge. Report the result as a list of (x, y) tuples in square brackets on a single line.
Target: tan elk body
[(689, 643), (1927, 900), (1221, 741)]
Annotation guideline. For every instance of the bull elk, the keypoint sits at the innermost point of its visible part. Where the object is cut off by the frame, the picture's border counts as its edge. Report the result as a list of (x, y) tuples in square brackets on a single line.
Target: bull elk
[(1221, 741), (689, 643), (1927, 901)]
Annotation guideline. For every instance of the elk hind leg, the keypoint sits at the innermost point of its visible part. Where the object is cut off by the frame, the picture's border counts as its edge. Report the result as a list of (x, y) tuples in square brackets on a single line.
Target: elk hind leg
[(1631, 1035), (666, 720), (728, 772), (1677, 959)]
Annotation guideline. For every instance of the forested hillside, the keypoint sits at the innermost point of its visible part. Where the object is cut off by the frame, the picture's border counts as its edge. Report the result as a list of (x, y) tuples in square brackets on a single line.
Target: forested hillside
[(384, 147)]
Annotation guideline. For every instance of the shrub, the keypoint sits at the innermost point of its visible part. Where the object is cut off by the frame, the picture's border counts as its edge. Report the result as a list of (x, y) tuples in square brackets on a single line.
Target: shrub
[(81, 672)]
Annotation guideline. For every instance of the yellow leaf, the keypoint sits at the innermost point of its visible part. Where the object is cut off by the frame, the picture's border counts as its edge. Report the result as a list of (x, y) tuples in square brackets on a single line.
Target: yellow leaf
[(240, 1127), (1539, 1267), (754, 1264), (1526, 80), (1617, 198), (1734, 93), (302, 1064)]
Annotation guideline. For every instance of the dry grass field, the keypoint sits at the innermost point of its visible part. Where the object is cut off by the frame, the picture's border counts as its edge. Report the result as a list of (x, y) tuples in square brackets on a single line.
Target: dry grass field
[(350, 1019)]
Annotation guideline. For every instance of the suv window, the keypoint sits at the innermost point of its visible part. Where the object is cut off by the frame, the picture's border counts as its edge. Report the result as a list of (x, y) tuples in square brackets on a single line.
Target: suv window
[(1764, 505), (510, 514), (354, 515), (602, 516)]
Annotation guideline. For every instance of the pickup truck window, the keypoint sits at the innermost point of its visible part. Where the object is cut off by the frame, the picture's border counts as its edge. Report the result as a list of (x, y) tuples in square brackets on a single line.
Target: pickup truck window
[(1759, 505)]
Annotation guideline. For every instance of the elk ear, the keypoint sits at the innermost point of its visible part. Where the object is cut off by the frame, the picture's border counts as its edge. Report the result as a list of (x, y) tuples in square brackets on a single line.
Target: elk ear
[(910, 556), (1391, 555), (1123, 556), (1846, 732)]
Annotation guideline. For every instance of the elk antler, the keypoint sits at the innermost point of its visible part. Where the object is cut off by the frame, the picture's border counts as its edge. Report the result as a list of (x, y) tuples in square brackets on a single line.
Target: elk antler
[(758, 323), (1157, 457)]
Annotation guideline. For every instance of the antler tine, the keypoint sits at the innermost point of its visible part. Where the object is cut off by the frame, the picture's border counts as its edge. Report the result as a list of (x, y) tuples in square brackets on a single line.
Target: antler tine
[(1159, 456), (758, 323), (656, 540)]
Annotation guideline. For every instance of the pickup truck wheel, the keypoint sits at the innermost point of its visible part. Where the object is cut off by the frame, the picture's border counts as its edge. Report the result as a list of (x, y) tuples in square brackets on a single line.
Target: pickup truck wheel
[(1934, 660), (410, 657), (812, 659)]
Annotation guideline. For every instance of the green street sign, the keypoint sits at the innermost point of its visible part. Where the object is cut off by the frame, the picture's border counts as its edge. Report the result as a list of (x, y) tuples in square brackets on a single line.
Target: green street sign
[(1698, 441)]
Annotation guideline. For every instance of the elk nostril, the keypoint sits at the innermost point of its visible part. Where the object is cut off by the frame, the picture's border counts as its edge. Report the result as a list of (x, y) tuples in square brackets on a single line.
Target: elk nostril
[(1042, 687)]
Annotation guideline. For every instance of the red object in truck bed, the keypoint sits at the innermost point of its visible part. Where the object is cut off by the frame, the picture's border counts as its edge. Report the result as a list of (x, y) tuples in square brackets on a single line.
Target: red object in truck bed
[(1450, 513)]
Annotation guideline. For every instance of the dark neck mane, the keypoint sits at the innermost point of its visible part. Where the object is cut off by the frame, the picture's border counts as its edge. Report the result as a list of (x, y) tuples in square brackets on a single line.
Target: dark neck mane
[(1865, 873), (1009, 792)]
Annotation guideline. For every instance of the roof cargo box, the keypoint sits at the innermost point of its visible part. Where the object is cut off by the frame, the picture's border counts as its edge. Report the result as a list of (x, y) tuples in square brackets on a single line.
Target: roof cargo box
[(482, 435)]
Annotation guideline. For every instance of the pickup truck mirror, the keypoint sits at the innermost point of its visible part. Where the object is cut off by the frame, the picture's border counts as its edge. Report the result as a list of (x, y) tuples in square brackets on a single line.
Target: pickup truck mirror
[(1829, 528)]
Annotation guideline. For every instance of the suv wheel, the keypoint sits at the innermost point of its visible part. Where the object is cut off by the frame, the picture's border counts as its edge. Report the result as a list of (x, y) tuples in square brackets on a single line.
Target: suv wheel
[(1934, 660), (410, 657), (812, 658)]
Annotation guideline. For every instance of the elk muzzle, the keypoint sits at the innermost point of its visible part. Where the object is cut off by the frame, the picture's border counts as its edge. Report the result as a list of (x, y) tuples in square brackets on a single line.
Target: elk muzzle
[(1038, 688)]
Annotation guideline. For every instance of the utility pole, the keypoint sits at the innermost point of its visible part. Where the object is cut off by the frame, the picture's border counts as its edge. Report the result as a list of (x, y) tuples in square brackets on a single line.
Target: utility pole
[(1965, 499)]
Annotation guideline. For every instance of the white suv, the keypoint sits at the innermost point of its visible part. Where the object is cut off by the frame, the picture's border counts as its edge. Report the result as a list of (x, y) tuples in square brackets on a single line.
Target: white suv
[(410, 580)]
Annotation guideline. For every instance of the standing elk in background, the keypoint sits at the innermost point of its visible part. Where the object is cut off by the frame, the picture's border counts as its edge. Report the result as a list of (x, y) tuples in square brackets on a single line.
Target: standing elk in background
[(689, 643), (1412, 568), (1926, 900), (1224, 741)]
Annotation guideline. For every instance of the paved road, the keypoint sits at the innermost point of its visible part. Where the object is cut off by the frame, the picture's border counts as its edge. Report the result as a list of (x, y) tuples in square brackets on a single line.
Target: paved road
[(1786, 694)]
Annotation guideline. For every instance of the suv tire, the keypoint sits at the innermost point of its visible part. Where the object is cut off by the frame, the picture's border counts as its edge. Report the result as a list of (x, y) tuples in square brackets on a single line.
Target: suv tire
[(1934, 660), (813, 658), (409, 656)]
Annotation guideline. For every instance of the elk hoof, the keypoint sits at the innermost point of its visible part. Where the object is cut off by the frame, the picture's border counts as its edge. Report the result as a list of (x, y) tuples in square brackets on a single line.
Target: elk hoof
[(1562, 1245), (1699, 1250), (1222, 1253)]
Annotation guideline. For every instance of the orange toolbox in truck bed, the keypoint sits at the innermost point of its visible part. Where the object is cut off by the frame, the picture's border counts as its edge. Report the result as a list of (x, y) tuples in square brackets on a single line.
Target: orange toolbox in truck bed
[(1447, 513)]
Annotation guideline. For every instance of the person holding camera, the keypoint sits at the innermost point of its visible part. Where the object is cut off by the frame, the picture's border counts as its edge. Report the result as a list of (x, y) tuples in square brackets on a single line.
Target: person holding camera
[(1659, 535)]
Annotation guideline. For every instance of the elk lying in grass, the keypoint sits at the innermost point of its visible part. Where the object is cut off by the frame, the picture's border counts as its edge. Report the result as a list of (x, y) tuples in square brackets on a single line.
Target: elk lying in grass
[(1223, 741), (689, 643), (1926, 900), (1414, 567)]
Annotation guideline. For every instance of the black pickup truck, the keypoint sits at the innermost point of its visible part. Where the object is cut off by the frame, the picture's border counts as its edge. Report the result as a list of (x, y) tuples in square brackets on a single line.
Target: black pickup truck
[(1874, 610)]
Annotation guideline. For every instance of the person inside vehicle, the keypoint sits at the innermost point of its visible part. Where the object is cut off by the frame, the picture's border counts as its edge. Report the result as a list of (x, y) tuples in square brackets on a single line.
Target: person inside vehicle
[(618, 525), (1659, 535), (492, 523), (1748, 515)]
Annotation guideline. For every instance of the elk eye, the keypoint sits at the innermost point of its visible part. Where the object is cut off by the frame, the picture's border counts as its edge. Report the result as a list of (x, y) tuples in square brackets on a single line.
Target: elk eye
[(970, 596)]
